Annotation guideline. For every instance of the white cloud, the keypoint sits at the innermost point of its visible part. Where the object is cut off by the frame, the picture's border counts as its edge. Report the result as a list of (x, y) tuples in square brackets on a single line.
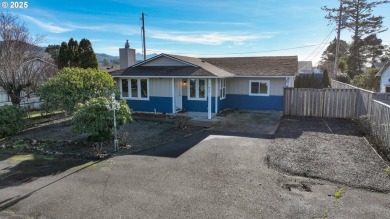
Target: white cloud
[(47, 26), (214, 38)]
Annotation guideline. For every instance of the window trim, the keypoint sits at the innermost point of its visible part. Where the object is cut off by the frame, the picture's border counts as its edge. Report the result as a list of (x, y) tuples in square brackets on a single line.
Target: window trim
[(259, 81), (222, 82), (138, 89), (196, 89)]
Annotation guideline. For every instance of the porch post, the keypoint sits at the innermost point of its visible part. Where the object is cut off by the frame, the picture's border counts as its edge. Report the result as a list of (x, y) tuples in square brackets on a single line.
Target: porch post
[(173, 96), (209, 99), (216, 95)]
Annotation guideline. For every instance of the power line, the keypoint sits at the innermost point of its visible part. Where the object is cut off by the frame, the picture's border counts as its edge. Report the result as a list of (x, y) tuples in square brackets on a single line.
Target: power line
[(272, 50), (324, 41)]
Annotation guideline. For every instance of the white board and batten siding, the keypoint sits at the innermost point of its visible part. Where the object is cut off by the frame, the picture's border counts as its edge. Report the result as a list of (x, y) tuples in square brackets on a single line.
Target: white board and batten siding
[(385, 80), (241, 85), (160, 87), (164, 61)]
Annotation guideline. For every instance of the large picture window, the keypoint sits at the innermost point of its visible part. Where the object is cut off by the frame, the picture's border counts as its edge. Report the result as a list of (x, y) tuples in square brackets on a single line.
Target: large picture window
[(259, 87), (197, 89), (139, 88), (223, 88)]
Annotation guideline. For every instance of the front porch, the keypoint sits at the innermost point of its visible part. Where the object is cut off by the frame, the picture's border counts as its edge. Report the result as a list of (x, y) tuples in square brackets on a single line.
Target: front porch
[(196, 97)]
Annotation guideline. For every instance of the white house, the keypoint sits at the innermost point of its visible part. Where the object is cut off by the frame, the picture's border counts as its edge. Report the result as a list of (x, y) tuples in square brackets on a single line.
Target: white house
[(384, 74)]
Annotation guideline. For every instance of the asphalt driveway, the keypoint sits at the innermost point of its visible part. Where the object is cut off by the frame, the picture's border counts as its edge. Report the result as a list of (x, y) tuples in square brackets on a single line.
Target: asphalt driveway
[(214, 176)]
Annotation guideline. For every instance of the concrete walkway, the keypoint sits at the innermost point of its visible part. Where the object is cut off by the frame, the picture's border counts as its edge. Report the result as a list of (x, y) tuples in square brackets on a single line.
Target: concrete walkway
[(254, 122)]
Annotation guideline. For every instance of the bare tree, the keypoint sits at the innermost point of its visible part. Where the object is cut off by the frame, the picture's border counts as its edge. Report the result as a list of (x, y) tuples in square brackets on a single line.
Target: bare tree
[(23, 64)]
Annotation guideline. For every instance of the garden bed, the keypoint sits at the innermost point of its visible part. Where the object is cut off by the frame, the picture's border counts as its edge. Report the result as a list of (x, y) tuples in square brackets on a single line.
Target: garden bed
[(57, 139)]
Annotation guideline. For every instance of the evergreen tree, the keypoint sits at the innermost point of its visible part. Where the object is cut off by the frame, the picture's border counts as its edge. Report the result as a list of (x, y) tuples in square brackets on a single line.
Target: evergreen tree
[(105, 62), (342, 65), (87, 57), (73, 52), (362, 23), (54, 51), (325, 79), (63, 60), (374, 48)]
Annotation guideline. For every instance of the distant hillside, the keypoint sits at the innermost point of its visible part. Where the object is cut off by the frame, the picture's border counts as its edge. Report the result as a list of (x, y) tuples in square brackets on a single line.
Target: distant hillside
[(139, 57), (101, 56)]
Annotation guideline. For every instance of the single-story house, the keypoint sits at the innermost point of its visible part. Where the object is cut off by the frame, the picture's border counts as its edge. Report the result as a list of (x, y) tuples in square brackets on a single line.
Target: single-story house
[(171, 83), (384, 74)]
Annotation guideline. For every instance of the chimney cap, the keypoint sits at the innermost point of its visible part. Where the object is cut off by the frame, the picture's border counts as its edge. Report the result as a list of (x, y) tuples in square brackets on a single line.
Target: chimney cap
[(127, 44)]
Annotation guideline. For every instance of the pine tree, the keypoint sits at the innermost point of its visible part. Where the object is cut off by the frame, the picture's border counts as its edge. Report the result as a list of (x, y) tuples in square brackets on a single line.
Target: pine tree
[(362, 23), (374, 48), (87, 57)]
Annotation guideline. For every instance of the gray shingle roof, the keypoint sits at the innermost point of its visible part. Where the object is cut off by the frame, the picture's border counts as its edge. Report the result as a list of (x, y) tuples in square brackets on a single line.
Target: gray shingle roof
[(383, 69), (257, 66), (220, 67)]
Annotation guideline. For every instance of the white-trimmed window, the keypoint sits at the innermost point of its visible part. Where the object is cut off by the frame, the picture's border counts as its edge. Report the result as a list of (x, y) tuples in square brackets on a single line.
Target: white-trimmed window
[(135, 88), (259, 87), (223, 88), (197, 89)]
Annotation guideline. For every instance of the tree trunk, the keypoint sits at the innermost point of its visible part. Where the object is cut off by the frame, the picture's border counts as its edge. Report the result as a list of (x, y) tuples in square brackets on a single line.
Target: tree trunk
[(15, 98)]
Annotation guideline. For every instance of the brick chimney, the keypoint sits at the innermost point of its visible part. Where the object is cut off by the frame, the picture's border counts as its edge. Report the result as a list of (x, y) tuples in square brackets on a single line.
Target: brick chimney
[(126, 56)]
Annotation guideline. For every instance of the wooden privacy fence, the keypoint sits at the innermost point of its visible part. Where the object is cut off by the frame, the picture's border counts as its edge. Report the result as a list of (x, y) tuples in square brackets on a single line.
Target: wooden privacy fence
[(330, 103), (379, 120)]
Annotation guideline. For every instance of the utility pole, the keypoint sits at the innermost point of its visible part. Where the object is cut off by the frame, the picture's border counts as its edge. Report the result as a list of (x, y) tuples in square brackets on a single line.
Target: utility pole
[(143, 36), (338, 41)]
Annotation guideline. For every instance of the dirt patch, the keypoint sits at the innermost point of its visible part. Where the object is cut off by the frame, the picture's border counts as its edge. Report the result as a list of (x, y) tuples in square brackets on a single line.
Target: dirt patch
[(330, 149), (58, 139)]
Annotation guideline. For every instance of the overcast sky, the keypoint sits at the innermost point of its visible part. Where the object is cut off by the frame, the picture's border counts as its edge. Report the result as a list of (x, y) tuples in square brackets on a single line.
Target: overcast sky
[(200, 28)]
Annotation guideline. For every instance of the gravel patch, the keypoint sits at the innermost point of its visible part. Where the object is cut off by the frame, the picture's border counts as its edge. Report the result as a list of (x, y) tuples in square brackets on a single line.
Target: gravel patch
[(330, 149)]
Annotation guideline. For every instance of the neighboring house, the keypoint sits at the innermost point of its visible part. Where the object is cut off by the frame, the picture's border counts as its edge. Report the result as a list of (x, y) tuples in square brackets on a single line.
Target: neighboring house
[(4, 97), (31, 102), (171, 83), (384, 74), (305, 67)]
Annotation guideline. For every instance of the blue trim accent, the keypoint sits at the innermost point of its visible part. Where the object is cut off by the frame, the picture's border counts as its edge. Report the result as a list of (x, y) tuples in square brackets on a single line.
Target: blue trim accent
[(161, 104), (254, 102)]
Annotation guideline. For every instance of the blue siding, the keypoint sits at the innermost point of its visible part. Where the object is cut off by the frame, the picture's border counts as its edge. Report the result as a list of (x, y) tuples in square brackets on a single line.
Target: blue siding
[(164, 104), (194, 105), (161, 104), (254, 102), (221, 104)]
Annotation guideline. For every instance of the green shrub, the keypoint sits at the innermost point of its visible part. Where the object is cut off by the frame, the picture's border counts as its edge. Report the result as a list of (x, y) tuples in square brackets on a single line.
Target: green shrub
[(95, 118), (343, 78), (12, 120), (75, 85)]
